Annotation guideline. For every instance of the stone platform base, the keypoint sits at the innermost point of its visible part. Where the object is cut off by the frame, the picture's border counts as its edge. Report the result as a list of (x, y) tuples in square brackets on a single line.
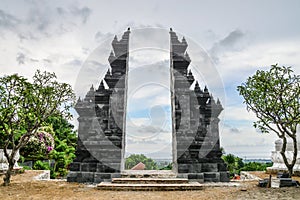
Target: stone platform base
[(148, 174), (206, 176), (275, 170), (91, 177), (149, 184), (197, 177), (150, 180), (149, 187), (98, 177)]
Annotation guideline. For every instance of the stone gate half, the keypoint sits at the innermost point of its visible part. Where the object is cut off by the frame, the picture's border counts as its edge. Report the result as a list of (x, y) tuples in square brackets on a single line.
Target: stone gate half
[(102, 117)]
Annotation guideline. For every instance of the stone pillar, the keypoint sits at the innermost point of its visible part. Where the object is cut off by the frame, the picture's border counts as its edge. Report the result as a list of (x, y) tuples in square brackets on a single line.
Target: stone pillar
[(101, 132), (194, 120)]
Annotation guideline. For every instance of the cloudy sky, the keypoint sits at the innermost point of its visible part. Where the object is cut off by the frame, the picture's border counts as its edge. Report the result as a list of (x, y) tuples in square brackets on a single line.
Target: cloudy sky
[(72, 39)]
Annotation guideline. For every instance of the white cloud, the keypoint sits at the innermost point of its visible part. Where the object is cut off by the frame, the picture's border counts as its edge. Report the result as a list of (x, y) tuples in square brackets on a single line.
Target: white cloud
[(237, 113), (248, 142)]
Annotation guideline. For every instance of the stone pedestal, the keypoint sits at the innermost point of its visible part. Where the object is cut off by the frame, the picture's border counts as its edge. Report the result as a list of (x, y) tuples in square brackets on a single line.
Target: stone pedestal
[(278, 163), (4, 163)]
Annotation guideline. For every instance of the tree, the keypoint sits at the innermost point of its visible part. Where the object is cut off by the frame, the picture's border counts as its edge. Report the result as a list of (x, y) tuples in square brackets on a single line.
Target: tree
[(234, 163), (274, 97), (134, 159), (24, 106), (62, 153)]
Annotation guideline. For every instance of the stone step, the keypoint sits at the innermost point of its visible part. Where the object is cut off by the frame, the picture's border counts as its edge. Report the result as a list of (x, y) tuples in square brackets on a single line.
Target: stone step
[(149, 187), (148, 174), (150, 180)]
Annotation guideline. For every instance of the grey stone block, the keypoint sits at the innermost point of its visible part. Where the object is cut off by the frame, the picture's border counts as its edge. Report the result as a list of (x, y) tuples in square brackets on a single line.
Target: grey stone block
[(183, 168), (116, 175), (209, 167), (224, 177), (211, 176), (182, 175), (197, 176), (222, 167), (75, 166), (195, 168), (88, 167), (100, 177), (85, 177), (72, 176)]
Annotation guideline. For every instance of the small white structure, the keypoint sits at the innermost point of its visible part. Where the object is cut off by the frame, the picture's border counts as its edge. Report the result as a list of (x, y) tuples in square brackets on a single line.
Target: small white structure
[(4, 162), (278, 163)]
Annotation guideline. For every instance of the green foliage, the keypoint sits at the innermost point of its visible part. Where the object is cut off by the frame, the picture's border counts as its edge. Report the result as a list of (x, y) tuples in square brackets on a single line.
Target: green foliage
[(63, 130), (65, 143), (26, 167), (134, 159), (39, 145), (255, 166), (65, 140), (63, 155), (168, 167), (234, 163), (25, 106), (40, 165), (273, 96)]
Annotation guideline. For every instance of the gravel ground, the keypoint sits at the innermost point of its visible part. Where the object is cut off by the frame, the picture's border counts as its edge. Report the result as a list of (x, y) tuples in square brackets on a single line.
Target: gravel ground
[(24, 187)]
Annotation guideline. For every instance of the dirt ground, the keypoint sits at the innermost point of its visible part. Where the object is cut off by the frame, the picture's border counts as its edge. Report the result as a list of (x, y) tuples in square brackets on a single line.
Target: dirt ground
[(24, 187)]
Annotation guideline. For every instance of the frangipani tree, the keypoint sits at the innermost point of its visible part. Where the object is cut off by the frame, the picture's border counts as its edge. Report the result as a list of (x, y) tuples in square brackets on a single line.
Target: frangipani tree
[(25, 105), (274, 96)]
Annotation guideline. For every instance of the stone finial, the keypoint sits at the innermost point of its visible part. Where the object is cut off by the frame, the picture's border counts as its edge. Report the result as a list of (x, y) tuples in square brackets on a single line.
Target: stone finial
[(101, 86), (205, 90), (187, 57), (197, 87), (108, 73), (92, 88), (115, 38)]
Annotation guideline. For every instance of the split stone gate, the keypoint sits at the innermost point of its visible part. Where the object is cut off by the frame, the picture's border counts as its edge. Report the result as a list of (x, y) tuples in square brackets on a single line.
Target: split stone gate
[(102, 117)]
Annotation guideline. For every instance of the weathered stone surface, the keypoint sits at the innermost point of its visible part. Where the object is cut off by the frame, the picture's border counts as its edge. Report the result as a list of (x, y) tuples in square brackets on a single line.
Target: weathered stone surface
[(101, 119), (101, 143), (195, 121)]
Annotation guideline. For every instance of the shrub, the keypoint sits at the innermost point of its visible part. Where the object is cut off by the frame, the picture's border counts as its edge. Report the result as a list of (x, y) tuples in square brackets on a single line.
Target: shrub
[(40, 165)]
